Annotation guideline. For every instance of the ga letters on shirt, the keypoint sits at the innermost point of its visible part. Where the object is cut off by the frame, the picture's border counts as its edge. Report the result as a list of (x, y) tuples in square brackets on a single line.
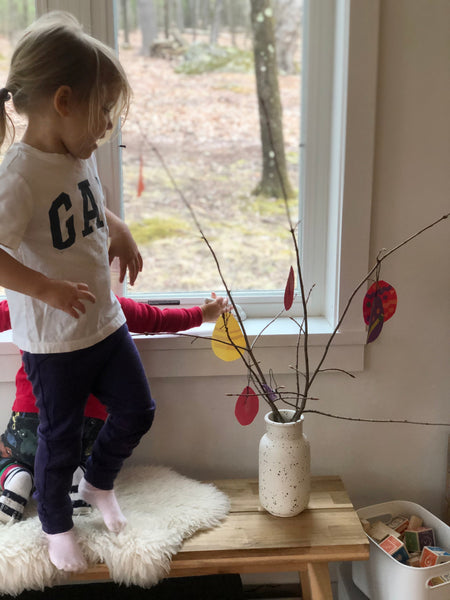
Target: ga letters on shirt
[(52, 220)]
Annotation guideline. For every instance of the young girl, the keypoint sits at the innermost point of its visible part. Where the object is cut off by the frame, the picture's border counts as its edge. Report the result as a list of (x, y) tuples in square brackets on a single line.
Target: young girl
[(18, 441), (54, 264)]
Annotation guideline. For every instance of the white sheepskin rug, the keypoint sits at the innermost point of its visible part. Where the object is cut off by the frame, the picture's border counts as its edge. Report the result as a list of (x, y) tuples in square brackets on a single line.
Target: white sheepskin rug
[(162, 507)]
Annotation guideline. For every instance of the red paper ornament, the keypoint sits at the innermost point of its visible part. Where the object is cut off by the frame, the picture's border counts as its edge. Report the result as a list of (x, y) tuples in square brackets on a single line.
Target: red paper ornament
[(289, 290), (387, 295), (376, 319), (140, 186), (247, 406)]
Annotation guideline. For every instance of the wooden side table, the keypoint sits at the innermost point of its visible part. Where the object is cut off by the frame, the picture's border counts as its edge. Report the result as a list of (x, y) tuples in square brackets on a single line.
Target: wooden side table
[(252, 541)]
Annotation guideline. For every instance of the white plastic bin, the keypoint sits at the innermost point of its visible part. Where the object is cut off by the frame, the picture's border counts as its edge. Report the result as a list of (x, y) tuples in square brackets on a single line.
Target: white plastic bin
[(384, 578), (347, 590)]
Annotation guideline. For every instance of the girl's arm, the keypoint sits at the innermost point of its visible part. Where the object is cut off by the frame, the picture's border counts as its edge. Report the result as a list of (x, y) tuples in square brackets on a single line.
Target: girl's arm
[(144, 318), (124, 247), (65, 295), (5, 322)]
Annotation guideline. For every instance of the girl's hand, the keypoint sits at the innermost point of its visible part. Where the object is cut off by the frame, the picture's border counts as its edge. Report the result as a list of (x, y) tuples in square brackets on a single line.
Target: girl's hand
[(214, 307), (67, 296), (124, 247)]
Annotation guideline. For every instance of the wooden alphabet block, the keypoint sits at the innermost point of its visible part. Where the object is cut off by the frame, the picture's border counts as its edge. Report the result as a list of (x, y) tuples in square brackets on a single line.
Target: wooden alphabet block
[(415, 522), (433, 555), (380, 530), (400, 524), (395, 548), (417, 539), (414, 561)]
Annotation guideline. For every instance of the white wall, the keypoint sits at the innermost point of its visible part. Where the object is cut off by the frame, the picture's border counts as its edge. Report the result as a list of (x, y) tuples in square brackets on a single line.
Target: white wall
[(407, 373)]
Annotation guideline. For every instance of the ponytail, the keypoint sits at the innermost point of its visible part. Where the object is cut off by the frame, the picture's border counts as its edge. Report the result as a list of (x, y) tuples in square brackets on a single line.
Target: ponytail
[(6, 124), (55, 51)]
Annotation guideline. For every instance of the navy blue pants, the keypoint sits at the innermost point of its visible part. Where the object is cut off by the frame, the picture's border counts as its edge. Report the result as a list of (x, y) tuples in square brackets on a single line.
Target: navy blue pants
[(113, 372)]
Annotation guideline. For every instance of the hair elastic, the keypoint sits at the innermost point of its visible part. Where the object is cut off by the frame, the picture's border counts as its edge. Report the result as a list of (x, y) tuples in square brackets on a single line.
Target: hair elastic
[(4, 95)]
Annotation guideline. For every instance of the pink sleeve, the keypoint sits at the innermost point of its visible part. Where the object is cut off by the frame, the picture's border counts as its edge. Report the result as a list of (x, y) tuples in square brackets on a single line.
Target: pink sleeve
[(5, 322), (25, 400), (144, 318)]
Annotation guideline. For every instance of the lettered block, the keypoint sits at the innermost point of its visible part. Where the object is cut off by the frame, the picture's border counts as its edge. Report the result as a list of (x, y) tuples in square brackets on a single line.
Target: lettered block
[(417, 539), (433, 555), (380, 530), (395, 548), (415, 522), (414, 559), (400, 523), (439, 579)]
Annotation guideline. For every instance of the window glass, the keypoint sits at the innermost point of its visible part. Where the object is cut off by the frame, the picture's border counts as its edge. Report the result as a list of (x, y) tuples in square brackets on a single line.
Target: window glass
[(15, 16), (192, 68)]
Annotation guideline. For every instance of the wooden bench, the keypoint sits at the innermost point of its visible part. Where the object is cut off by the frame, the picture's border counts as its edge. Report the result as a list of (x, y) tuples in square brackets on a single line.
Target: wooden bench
[(252, 541)]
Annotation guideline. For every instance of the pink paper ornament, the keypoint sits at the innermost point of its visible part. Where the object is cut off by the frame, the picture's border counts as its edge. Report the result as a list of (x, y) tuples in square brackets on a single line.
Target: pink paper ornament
[(247, 406), (289, 290)]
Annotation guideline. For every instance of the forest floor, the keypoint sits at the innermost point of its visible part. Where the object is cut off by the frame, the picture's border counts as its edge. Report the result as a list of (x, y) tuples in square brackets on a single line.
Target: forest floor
[(206, 127)]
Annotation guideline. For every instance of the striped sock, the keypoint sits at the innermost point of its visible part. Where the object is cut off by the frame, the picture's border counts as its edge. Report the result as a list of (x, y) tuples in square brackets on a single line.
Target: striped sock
[(17, 483), (80, 507)]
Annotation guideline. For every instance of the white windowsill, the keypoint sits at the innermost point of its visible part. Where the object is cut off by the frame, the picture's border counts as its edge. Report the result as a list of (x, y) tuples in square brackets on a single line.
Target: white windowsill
[(186, 355)]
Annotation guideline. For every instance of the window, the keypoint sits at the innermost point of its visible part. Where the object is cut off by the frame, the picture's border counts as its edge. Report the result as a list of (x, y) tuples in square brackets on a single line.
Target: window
[(15, 16), (338, 107), (195, 103), (335, 164)]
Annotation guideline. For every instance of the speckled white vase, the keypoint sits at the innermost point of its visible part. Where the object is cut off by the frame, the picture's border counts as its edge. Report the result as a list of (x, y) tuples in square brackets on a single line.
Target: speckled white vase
[(284, 467)]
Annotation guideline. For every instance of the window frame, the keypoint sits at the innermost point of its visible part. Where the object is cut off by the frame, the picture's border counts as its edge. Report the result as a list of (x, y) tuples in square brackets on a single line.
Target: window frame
[(344, 216)]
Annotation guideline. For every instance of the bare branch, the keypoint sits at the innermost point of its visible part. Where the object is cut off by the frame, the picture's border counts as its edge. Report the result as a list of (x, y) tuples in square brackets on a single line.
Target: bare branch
[(255, 374), (266, 326), (362, 420), (339, 370), (380, 259)]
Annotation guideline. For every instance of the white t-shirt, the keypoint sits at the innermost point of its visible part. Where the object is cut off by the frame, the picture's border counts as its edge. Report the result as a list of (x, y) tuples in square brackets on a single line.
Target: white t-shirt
[(52, 219)]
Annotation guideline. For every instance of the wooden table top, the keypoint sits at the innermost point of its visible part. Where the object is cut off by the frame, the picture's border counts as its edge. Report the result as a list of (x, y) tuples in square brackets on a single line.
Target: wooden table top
[(251, 540), (328, 530)]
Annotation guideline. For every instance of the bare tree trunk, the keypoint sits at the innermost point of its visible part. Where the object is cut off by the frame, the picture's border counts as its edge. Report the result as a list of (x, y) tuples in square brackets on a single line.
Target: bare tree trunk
[(194, 17), (231, 21), (274, 181), (288, 19), (215, 25), (166, 19), (179, 15), (126, 30), (12, 20), (148, 24), (25, 13), (204, 14)]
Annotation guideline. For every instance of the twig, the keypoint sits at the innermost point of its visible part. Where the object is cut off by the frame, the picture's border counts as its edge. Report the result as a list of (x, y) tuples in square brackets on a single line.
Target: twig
[(339, 370), (254, 370), (266, 326), (363, 420), (259, 376), (362, 282)]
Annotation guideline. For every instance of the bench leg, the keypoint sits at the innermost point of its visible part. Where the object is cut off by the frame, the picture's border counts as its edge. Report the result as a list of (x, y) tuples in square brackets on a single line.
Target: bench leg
[(316, 584)]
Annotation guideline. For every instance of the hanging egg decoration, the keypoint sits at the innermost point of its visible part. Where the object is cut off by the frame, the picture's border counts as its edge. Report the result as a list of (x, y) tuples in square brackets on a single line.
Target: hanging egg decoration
[(140, 185), (226, 335), (380, 303), (247, 406), (289, 290), (387, 295)]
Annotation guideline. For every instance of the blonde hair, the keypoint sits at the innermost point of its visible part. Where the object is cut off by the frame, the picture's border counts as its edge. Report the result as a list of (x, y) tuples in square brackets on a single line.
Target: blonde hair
[(55, 51)]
